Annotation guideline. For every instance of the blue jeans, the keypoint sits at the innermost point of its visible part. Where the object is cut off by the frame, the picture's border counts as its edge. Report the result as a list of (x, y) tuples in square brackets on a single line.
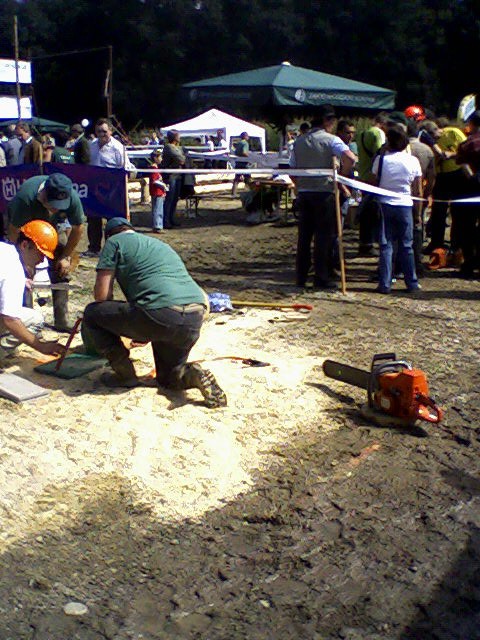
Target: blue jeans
[(396, 226), (157, 212), (173, 194)]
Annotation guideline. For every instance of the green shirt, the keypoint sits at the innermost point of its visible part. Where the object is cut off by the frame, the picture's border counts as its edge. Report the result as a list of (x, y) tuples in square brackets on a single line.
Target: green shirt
[(25, 206), (60, 154), (450, 140), (369, 142), (150, 273), (241, 148)]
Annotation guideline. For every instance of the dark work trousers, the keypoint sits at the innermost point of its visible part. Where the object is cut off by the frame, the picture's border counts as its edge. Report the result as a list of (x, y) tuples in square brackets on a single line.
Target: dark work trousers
[(316, 222), (171, 199), (468, 224), (94, 233), (447, 187), (172, 333), (369, 221)]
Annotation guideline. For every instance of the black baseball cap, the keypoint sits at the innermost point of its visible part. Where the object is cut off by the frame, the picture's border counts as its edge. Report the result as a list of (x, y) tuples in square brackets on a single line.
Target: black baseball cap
[(58, 188)]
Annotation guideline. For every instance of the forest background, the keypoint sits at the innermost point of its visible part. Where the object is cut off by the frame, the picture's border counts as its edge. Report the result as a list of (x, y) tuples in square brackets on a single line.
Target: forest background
[(426, 50)]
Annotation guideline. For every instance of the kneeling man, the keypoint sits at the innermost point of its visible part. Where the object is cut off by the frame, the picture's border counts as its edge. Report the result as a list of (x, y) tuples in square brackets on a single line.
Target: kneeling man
[(164, 306), (19, 324)]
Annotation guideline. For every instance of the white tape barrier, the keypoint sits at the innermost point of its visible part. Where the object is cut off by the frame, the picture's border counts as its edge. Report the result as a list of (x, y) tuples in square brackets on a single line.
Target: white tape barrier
[(349, 182), (370, 188)]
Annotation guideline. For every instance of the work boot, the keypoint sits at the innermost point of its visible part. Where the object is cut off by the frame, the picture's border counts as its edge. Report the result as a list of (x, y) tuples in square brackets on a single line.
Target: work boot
[(195, 377), (124, 372), (60, 311)]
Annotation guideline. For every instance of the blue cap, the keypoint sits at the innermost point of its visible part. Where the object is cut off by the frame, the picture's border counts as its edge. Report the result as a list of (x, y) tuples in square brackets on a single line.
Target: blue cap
[(113, 223)]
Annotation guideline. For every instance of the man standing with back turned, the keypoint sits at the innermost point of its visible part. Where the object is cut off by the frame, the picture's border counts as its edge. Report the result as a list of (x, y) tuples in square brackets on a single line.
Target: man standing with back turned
[(316, 150), (164, 306)]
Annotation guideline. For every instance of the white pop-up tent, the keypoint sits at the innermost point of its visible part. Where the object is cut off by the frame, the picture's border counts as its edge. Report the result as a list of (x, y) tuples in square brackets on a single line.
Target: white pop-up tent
[(213, 120)]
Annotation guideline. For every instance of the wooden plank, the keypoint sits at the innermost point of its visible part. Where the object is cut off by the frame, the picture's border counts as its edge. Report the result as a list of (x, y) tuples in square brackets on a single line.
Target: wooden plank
[(19, 389)]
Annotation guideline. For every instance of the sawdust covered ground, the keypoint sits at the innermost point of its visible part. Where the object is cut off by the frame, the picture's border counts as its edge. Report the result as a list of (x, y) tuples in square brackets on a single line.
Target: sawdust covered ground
[(284, 515)]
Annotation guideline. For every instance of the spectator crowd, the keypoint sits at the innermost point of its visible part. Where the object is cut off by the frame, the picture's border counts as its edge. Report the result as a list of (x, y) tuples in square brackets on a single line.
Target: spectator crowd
[(426, 163)]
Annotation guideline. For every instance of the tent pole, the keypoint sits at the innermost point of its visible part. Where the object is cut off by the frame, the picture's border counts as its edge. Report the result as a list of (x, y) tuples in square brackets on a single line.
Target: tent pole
[(17, 80)]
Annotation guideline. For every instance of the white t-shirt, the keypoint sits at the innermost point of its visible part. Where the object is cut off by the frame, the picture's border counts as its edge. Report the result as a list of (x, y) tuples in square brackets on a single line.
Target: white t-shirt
[(398, 172), (12, 281)]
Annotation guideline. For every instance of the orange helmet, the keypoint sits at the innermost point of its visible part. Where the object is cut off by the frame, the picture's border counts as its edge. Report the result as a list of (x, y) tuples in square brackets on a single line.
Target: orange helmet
[(415, 113), (43, 235)]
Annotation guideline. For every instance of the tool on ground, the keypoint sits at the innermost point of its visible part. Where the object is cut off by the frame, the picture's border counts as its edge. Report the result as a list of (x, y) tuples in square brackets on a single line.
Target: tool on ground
[(290, 316), (271, 305), (73, 333), (393, 387), (73, 366), (249, 362)]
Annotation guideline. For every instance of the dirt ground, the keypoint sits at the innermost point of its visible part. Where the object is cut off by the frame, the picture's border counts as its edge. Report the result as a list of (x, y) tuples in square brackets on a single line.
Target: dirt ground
[(284, 515)]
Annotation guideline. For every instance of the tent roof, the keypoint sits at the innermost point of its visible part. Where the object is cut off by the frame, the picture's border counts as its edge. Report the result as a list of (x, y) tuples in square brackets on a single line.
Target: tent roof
[(213, 120), (287, 75), (38, 122), (293, 86)]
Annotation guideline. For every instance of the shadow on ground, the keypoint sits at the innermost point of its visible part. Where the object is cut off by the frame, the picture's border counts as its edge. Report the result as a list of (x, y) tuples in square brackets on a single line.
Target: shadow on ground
[(312, 550)]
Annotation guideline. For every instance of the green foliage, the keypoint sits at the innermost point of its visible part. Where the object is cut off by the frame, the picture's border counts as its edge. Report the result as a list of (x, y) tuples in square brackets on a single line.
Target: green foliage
[(424, 49)]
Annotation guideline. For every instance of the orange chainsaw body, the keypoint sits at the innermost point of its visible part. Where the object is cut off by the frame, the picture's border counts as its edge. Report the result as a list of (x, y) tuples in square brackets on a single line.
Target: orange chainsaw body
[(404, 394), (393, 387)]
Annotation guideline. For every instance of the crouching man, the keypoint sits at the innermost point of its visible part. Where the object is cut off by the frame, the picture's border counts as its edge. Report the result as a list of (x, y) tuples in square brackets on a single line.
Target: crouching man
[(164, 306), (19, 324)]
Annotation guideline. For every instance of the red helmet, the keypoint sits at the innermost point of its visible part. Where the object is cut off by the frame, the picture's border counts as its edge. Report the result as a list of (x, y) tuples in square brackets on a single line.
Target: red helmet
[(415, 113)]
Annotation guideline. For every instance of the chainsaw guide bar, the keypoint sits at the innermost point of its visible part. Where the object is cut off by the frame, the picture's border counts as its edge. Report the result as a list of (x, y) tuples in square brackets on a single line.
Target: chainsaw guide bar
[(346, 373)]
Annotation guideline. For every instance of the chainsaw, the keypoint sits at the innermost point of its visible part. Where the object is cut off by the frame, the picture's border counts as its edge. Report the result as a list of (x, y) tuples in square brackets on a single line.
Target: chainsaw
[(393, 386)]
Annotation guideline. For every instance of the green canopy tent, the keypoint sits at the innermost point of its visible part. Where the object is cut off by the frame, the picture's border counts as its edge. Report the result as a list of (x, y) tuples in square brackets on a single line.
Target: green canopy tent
[(39, 123), (283, 90)]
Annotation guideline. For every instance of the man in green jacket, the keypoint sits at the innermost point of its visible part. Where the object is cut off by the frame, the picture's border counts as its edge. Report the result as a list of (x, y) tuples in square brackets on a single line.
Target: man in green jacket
[(164, 306)]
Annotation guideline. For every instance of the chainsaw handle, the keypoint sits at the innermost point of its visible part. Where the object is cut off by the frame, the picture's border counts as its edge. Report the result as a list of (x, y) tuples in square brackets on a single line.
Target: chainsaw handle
[(427, 410)]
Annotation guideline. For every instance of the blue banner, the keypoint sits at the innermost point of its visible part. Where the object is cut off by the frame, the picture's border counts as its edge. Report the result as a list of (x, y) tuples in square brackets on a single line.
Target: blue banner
[(11, 179), (103, 192)]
